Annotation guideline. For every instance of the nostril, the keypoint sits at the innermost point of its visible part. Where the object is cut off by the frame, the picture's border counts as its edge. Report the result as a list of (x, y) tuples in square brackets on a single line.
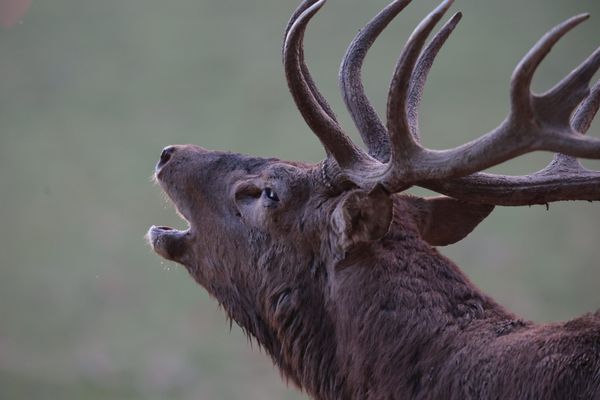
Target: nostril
[(165, 156)]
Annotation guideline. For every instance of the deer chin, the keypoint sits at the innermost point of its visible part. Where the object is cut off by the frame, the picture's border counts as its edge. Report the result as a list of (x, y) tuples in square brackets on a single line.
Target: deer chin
[(169, 243)]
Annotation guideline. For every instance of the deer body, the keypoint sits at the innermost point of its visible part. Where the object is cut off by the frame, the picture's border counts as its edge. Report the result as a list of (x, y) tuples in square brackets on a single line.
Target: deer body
[(335, 273)]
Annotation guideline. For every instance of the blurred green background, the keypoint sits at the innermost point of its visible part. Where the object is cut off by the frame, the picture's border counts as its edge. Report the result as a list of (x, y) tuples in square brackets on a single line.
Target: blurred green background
[(90, 92)]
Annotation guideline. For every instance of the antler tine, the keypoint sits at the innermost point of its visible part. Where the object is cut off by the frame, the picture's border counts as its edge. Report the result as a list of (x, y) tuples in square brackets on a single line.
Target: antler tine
[(571, 91), (336, 143), (303, 72), (581, 120), (522, 106), (368, 123), (583, 117), (424, 64), (563, 179), (403, 144), (294, 17)]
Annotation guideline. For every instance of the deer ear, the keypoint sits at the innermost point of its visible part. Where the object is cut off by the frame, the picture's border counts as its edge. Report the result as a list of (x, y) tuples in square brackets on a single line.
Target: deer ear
[(362, 217), (444, 220)]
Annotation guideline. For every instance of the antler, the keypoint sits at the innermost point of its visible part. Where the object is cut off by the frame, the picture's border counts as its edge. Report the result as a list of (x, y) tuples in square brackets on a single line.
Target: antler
[(311, 104), (370, 127), (564, 178), (399, 160)]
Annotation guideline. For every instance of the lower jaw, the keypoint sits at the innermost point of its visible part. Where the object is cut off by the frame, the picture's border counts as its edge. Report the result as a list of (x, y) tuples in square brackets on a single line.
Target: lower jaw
[(167, 242)]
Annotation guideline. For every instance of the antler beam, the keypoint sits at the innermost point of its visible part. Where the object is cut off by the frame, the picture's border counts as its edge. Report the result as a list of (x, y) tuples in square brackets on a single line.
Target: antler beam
[(563, 179)]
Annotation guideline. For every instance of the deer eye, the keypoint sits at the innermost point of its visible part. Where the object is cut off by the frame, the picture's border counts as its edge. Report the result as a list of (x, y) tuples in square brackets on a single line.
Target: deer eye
[(270, 194)]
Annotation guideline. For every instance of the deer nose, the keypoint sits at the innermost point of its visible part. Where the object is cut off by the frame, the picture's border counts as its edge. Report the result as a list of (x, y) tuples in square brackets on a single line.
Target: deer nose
[(165, 156)]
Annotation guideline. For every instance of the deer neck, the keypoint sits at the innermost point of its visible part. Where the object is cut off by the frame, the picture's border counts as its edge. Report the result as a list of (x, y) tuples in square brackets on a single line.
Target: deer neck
[(397, 304), (402, 310)]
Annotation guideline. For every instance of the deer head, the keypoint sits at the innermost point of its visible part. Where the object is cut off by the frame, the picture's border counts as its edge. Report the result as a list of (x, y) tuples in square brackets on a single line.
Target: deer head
[(269, 238)]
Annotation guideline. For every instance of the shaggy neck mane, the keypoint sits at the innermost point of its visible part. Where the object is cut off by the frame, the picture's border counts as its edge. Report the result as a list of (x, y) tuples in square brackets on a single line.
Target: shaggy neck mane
[(388, 318)]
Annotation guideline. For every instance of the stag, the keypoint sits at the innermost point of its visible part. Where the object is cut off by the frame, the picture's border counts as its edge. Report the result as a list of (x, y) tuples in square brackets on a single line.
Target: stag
[(334, 270)]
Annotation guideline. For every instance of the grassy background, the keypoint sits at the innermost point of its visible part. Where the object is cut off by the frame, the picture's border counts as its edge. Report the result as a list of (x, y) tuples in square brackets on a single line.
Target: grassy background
[(90, 91)]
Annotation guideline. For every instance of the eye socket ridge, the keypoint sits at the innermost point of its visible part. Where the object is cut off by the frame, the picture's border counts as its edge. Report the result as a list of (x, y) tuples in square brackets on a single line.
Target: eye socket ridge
[(270, 194)]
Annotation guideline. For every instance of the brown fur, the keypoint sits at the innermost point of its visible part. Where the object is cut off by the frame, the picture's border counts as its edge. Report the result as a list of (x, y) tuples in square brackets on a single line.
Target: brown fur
[(375, 317)]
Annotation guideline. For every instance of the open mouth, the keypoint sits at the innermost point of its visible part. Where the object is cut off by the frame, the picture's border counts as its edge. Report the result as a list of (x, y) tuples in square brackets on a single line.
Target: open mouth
[(168, 242)]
